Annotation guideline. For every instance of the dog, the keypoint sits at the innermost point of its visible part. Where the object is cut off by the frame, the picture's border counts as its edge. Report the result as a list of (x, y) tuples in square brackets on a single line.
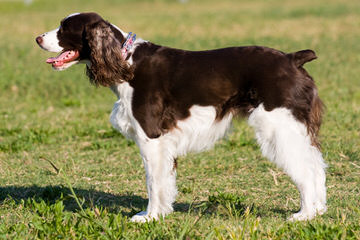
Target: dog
[(172, 101)]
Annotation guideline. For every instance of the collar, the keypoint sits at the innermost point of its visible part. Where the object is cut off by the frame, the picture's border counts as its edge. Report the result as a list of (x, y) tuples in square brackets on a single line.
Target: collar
[(128, 44)]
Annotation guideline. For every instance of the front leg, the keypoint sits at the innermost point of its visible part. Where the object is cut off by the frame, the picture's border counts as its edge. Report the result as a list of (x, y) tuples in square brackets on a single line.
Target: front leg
[(160, 180)]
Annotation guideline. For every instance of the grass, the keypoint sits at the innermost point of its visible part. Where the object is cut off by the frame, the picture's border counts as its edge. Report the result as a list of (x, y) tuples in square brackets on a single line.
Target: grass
[(66, 174)]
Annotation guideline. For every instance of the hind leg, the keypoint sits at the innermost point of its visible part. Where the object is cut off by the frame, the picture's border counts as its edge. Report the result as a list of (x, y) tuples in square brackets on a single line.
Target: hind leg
[(285, 141), (320, 187)]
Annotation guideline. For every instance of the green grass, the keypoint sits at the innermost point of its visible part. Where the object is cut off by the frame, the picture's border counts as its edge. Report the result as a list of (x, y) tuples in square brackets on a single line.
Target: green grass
[(57, 118)]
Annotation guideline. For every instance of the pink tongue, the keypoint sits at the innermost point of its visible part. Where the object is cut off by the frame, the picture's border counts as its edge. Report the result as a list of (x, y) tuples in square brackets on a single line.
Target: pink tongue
[(64, 57)]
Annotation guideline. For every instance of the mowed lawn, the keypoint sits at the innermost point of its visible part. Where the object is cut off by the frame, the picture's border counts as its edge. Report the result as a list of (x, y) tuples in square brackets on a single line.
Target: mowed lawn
[(65, 173)]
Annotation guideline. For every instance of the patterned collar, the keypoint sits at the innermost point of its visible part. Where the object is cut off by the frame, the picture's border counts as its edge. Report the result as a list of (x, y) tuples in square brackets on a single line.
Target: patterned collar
[(128, 44)]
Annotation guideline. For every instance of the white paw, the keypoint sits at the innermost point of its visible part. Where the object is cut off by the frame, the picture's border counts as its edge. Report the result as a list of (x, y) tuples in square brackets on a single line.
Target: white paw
[(142, 217), (320, 208), (302, 216)]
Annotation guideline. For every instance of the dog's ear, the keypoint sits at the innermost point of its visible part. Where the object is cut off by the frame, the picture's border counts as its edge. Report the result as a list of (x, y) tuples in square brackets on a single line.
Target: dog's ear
[(107, 65)]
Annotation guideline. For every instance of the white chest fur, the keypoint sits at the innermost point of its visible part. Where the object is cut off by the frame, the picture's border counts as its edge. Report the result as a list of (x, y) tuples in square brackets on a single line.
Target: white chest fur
[(121, 116)]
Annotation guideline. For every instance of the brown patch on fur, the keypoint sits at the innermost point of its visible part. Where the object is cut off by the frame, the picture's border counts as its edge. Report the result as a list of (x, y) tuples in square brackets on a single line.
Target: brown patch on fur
[(107, 65), (168, 82), (317, 109)]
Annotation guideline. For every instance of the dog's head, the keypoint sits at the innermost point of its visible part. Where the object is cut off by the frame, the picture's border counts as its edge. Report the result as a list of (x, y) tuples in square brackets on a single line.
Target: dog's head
[(87, 38)]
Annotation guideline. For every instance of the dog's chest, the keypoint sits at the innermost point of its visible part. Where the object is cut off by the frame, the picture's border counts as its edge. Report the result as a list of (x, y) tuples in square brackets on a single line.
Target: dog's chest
[(121, 116)]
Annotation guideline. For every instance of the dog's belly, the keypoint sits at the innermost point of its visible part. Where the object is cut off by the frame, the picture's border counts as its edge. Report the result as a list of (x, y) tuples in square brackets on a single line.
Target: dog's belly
[(198, 132)]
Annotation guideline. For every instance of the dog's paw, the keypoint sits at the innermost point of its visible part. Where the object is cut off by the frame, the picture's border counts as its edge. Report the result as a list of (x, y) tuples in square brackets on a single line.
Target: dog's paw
[(142, 217), (302, 216), (320, 208)]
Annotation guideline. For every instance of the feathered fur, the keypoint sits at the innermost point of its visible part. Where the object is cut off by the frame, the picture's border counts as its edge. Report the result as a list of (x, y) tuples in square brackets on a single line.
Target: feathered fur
[(107, 66)]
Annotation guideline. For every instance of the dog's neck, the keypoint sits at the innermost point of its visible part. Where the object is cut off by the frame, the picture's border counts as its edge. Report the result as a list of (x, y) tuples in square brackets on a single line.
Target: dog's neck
[(116, 89), (136, 42)]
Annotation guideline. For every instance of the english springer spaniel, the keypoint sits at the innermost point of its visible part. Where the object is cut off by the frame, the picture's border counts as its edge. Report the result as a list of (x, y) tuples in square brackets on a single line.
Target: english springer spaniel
[(172, 101)]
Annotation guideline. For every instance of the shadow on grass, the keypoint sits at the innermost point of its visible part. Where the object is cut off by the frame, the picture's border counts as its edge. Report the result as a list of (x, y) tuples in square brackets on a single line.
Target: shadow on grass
[(113, 202), (51, 194)]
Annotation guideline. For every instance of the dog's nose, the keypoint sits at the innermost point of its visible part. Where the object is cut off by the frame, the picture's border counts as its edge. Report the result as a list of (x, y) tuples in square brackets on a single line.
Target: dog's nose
[(39, 39)]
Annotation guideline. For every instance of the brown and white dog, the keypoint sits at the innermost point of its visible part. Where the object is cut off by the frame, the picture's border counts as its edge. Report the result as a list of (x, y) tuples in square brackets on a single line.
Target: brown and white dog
[(171, 102)]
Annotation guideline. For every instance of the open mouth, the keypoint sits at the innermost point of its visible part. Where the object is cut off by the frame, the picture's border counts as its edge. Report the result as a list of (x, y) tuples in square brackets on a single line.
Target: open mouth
[(64, 59)]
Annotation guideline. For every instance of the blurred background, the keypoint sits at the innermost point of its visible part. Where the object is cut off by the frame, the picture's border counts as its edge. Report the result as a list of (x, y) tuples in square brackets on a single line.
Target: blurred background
[(60, 117)]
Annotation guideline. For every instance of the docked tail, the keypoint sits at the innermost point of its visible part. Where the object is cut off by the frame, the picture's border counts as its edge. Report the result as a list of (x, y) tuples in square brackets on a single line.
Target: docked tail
[(301, 57)]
